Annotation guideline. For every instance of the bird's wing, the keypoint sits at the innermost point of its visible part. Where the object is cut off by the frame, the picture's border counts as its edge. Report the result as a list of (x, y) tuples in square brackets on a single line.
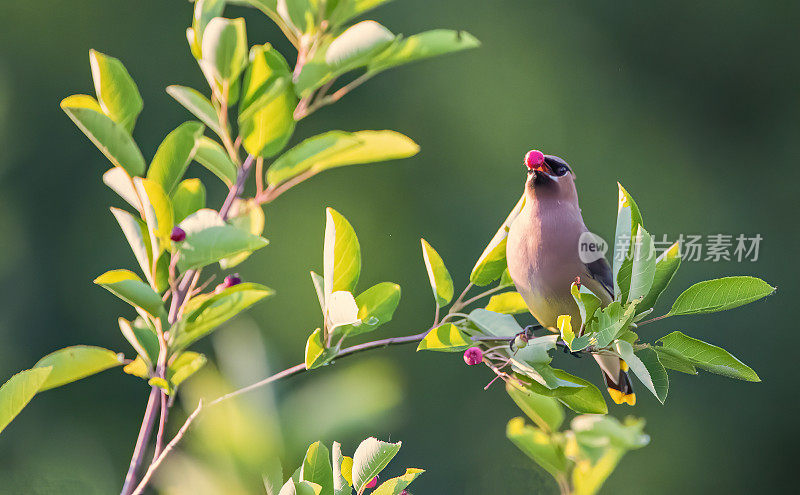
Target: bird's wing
[(600, 271)]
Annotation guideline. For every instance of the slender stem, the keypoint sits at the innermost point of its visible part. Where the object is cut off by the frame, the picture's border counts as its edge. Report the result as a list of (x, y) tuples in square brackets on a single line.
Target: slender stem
[(141, 442), (179, 295), (288, 372), (162, 424), (272, 192), (333, 97), (651, 320), (457, 305), (259, 176), (481, 296), (171, 445)]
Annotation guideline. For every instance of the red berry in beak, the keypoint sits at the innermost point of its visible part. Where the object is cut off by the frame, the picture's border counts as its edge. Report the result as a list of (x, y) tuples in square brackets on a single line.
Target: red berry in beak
[(534, 160), (372, 483), (177, 234), (473, 356)]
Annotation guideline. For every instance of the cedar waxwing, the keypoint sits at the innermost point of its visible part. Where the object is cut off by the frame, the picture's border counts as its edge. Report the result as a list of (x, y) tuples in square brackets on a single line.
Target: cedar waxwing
[(543, 258)]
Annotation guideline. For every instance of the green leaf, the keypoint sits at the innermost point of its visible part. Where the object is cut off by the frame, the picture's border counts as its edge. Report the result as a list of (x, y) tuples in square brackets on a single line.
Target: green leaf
[(492, 262), (396, 486), (130, 288), (316, 353), (138, 367), (224, 48), (666, 266), (655, 368), (189, 197), (203, 314), (204, 11), (209, 239), (441, 282), (341, 485), (210, 154), (643, 268), (421, 46), (588, 303), (510, 303), (342, 254), (317, 468), (248, 216), (371, 457), (73, 363), (174, 155), (18, 391), (587, 400), (545, 411), (266, 66), (445, 338), (266, 125), (112, 139), (198, 105), (494, 324), (720, 294), (707, 356), (358, 45), (319, 287), (564, 325), (157, 212), (611, 323), (142, 338), (293, 487), (376, 306), (657, 383), (339, 148), (116, 92), (628, 221), (674, 361), (539, 446), (121, 183), (353, 48), (185, 365), (348, 9), (136, 233)]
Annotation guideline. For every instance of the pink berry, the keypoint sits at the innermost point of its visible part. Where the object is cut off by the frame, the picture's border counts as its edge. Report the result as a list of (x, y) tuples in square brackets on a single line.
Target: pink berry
[(232, 280), (373, 483), (473, 356), (534, 159), (177, 234)]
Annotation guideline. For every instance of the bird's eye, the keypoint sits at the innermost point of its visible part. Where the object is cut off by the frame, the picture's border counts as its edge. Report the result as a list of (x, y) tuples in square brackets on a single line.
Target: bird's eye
[(560, 170)]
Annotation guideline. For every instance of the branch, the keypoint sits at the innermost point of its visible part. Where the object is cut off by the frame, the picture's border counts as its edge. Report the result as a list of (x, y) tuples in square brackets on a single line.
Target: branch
[(179, 295), (288, 372)]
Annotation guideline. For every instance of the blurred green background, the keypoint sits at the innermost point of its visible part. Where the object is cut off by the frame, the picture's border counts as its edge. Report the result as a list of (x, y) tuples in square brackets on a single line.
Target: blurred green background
[(692, 105)]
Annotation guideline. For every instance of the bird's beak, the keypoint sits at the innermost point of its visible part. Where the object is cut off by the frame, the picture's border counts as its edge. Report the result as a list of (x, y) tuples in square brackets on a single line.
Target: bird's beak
[(543, 168)]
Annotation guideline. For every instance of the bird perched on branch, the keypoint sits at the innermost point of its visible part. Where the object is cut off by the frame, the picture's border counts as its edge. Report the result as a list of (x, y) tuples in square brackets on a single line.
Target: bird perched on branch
[(544, 259)]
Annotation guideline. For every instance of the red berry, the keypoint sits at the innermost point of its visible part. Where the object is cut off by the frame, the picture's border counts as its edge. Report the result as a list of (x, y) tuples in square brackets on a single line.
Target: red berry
[(177, 234), (373, 483), (533, 159), (473, 356)]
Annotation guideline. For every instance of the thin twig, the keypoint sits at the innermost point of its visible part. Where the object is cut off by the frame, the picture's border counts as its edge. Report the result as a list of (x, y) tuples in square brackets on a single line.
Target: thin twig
[(481, 296), (162, 425), (651, 320), (171, 445), (141, 442)]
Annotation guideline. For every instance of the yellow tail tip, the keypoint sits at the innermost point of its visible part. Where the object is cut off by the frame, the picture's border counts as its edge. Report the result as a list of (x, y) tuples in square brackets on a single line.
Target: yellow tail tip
[(619, 398)]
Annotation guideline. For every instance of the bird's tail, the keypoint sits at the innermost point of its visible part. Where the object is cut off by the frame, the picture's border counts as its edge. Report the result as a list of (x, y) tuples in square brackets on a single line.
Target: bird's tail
[(615, 374)]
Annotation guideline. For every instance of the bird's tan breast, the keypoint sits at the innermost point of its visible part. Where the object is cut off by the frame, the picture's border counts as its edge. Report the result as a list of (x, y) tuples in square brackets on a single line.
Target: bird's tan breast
[(543, 261)]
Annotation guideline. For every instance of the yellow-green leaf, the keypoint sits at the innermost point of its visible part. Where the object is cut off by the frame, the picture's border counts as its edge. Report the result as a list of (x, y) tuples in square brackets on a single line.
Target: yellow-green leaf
[(445, 338), (112, 139), (73, 363), (130, 288), (116, 92), (342, 254), (174, 155), (439, 277), (510, 303), (18, 391)]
